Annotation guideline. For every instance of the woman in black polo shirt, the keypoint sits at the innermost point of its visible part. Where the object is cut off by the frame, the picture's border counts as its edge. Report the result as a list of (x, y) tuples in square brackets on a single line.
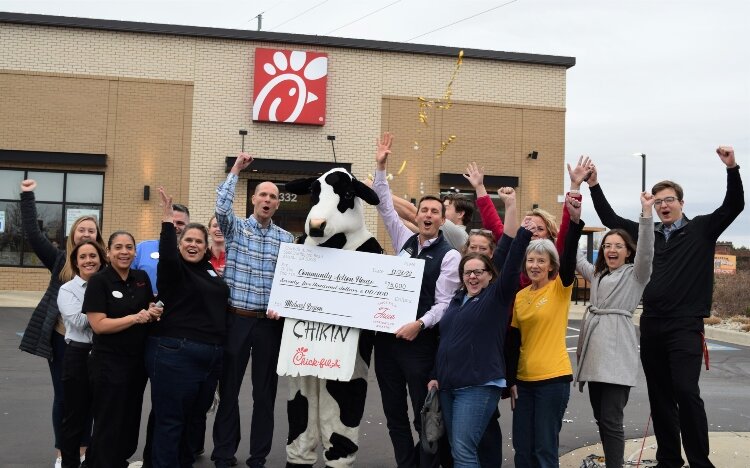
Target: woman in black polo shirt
[(117, 304), (184, 351)]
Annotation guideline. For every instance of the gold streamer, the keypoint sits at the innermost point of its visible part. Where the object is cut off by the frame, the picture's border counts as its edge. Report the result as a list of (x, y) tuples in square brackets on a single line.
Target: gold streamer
[(401, 169), (444, 103)]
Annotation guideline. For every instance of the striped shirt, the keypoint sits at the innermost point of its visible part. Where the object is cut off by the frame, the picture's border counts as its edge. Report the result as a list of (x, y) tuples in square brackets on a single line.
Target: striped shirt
[(251, 251)]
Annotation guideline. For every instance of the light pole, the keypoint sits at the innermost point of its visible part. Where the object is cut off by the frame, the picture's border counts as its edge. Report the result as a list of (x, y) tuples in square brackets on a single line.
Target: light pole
[(643, 170)]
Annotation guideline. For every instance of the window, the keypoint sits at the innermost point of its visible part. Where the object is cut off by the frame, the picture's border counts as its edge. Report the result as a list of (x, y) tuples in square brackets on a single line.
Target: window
[(61, 197)]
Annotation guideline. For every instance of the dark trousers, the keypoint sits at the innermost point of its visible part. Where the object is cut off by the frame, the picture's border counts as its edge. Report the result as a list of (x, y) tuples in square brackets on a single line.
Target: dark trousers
[(183, 377), (118, 383), (77, 419), (261, 339), (56, 372), (537, 421), (402, 365), (608, 402), (671, 354)]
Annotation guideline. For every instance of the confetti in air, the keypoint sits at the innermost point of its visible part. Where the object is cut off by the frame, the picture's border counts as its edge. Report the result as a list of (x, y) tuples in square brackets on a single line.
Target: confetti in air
[(444, 103)]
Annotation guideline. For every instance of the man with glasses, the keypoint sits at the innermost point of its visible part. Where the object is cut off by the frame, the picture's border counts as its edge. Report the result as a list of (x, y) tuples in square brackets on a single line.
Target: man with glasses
[(404, 360), (675, 302)]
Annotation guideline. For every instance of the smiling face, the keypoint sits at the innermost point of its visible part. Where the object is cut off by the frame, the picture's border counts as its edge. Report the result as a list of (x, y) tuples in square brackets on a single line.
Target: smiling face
[(179, 220), (475, 276), (265, 202), (193, 245), (214, 231), (87, 261), (669, 212), (429, 218), (479, 244), (121, 252), (615, 251), (85, 230), (538, 267)]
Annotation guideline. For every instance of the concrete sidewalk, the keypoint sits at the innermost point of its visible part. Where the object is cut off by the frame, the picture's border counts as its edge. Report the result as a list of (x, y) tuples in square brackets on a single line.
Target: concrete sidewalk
[(728, 450)]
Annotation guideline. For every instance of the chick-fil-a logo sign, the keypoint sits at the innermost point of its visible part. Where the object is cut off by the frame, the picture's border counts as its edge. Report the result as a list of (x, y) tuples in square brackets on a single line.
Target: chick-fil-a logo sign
[(290, 86), (300, 359)]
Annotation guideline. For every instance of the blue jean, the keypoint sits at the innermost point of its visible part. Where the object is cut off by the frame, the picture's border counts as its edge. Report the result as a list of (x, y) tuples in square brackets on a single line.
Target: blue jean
[(537, 421), (466, 412), (183, 374)]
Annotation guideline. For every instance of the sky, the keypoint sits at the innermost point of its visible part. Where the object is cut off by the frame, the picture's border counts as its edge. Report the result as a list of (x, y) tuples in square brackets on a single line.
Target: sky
[(667, 78)]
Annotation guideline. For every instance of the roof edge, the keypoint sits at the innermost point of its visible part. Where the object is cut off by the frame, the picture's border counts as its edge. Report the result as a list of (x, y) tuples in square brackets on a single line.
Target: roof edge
[(301, 39)]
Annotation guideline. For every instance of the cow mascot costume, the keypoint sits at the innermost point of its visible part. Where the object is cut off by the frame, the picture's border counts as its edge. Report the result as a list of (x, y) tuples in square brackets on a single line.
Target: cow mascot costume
[(324, 410)]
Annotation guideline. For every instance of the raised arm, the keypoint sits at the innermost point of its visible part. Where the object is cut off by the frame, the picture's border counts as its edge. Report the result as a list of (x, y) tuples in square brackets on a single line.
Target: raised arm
[(168, 270), (605, 212), (225, 196), (487, 212), (396, 229), (511, 269), (568, 258), (644, 250), (41, 246), (734, 200)]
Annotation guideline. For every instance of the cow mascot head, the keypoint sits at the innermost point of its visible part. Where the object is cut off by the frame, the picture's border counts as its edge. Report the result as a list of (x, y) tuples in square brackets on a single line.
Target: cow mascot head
[(336, 220)]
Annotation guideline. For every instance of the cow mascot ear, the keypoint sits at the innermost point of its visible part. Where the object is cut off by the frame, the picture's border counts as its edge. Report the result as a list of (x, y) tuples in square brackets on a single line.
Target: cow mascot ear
[(300, 186), (364, 192)]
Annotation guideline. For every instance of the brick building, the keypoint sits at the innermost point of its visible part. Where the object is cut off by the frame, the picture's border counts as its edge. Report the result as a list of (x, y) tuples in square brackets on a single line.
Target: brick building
[(98, 110)]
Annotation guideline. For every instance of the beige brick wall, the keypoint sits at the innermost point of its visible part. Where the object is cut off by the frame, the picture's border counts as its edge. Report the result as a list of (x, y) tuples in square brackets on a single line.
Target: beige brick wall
[(503, 111)]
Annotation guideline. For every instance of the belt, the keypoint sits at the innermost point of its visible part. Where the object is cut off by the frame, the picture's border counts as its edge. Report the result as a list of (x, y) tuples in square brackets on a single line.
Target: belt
[(79, 345), (247, 313)]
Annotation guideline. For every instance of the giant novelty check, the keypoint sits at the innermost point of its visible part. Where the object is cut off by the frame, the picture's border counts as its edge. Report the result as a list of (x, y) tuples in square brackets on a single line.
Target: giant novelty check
[(342, 287)]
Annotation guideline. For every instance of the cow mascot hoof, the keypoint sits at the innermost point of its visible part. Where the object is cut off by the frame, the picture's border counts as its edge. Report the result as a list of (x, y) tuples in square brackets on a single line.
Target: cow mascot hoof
[(323, 410)]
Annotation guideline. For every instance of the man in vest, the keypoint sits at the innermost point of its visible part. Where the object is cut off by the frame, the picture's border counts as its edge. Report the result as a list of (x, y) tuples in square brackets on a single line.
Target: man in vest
[(404, 360)]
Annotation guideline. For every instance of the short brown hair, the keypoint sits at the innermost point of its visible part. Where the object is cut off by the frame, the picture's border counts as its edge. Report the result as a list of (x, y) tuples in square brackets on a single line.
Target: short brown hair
[(431, 197), (668, 184), (461, 204), (488, 265)]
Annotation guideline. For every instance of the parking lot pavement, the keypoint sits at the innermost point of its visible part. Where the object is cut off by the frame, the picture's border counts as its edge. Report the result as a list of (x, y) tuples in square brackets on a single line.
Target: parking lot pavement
[(26, 401)]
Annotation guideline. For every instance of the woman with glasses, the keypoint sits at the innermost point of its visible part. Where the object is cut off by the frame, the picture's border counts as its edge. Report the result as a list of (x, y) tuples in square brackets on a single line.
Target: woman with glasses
[(539, 369), (469, 365), (607, 345)]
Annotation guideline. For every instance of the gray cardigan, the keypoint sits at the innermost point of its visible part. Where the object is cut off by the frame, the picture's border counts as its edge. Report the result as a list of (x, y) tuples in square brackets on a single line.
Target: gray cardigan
[(607, 345)]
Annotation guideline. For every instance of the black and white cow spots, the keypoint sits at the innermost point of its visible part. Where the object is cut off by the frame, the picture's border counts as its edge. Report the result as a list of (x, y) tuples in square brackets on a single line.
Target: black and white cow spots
[(321, 411)]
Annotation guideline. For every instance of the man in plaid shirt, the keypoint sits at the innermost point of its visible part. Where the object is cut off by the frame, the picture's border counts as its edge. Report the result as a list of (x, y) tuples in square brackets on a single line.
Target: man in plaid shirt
[(252, 247)]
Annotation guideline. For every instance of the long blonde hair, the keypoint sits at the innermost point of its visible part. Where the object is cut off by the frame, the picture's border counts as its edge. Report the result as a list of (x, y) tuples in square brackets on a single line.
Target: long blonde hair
[(67, 273)]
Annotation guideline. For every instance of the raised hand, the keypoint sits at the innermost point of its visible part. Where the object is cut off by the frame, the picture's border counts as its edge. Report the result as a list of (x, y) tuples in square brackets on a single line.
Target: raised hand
[(507, 195), (579, 173), (647, 204), (166, 206), (28, 185), (474, 174), (593, 178), (726, 153), (240, 164), (529, 224), (574, 208), (383, 149)]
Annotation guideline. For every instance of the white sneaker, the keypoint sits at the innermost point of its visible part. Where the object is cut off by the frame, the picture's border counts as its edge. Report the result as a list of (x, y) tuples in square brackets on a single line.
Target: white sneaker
[(137, 464), (58, 462), (83, 458)]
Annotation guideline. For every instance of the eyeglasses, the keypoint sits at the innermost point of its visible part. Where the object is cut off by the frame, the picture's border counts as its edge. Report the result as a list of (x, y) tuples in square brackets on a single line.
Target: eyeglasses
[(478, 272), (668, 201), (613, 246)]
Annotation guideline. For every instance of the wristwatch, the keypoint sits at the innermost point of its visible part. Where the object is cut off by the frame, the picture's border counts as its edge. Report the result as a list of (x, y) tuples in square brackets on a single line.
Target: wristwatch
[(421, 324)]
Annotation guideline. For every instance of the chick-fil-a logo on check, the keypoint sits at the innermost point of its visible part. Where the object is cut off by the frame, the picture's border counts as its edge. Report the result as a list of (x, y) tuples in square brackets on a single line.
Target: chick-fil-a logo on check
[(290, 86)]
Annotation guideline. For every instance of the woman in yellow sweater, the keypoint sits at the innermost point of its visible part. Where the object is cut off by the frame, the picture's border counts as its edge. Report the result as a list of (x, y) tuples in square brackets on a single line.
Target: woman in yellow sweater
[(539, 368)]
